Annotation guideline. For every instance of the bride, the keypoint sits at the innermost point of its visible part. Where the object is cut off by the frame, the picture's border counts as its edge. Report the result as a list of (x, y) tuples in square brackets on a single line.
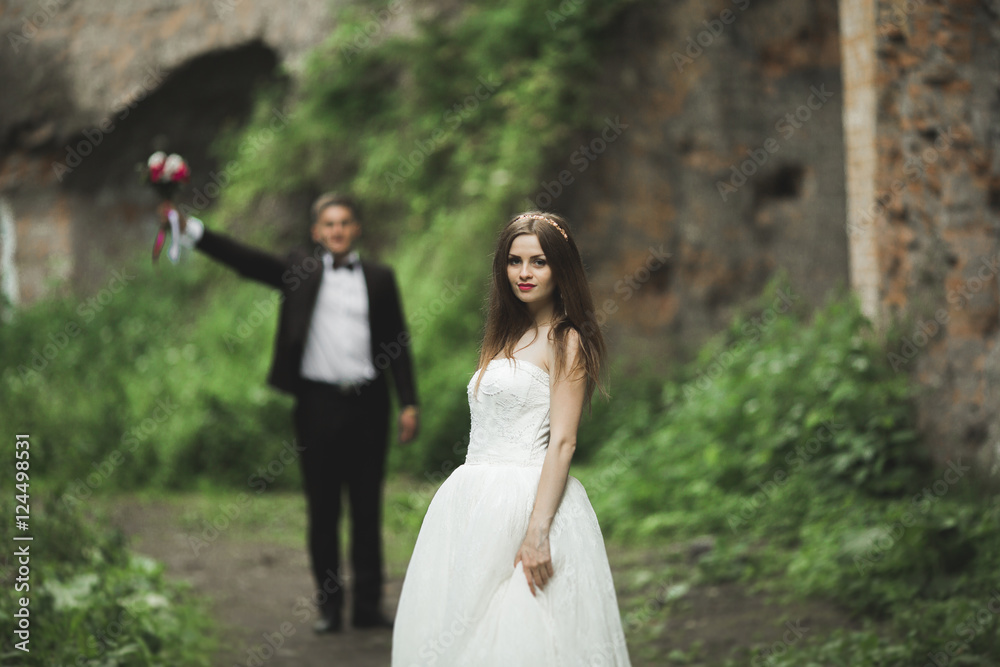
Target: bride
[(509, 568)]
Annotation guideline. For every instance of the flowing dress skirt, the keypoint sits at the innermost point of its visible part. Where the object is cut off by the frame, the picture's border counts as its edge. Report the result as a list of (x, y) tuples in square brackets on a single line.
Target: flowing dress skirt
[(463, 601)]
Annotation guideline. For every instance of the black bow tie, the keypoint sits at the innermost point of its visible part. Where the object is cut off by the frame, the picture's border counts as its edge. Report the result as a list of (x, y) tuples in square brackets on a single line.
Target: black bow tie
[(347, 265)]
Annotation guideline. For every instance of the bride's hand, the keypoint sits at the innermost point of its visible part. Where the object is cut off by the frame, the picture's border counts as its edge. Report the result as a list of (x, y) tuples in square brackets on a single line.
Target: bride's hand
[(535, 559)]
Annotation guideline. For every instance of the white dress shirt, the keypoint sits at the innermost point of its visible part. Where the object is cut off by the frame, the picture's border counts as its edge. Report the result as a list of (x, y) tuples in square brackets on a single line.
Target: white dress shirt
[(338, 344)]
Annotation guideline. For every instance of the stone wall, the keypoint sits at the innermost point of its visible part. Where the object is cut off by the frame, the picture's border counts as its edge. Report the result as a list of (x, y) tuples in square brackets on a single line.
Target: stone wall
[(926, 226), (92, 87), (732, 161), (88, 57)]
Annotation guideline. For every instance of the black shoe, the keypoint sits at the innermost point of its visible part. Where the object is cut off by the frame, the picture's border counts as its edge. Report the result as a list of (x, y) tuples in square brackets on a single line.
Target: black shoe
[(328, 623), (371, 620)]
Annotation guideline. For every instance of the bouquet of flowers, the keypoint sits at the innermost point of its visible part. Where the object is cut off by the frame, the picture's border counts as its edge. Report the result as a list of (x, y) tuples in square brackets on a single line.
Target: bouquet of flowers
[(166, 173)]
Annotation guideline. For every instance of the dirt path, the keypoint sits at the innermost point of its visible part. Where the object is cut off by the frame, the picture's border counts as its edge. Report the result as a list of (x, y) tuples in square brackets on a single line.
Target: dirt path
[(260, 586), (259, 593)]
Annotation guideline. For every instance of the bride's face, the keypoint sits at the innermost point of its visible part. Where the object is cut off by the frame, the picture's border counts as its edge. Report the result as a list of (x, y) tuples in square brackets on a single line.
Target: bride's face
[(527, 266)]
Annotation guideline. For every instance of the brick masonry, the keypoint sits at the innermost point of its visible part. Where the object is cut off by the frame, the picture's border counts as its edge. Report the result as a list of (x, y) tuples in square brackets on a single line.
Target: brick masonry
[(922, 129), (724, 163)]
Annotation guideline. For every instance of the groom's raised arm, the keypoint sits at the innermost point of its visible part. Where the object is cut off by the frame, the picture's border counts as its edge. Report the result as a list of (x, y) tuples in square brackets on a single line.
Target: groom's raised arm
[(245, 260)]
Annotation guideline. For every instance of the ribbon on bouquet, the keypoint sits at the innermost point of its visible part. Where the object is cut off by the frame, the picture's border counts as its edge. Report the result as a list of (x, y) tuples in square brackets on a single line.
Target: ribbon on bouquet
[(174, 251)]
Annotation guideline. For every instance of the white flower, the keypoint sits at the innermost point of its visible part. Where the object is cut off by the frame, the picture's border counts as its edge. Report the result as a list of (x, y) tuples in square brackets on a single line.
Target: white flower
[(157, 159), (173, 163)]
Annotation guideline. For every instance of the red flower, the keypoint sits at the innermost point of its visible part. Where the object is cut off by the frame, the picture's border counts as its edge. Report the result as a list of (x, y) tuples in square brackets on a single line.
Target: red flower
[(183, 173)]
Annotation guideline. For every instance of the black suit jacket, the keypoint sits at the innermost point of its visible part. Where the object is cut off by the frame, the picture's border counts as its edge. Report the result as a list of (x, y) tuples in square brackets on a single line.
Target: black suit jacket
[(298, 277)]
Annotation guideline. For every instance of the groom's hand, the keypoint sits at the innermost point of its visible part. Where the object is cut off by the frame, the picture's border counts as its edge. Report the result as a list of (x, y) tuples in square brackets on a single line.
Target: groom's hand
[(164, 212), (409, 423)]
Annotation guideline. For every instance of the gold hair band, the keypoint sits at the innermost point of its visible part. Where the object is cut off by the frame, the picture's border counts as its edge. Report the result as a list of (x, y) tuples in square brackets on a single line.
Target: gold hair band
[(531, 216)]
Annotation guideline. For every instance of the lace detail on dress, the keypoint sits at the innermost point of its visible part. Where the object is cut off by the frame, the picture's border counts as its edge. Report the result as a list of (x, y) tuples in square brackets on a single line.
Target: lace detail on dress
[(510, 414)]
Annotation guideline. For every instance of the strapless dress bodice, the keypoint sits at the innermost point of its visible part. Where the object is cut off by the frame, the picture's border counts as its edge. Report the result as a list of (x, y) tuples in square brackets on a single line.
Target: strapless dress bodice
[(510, 414)]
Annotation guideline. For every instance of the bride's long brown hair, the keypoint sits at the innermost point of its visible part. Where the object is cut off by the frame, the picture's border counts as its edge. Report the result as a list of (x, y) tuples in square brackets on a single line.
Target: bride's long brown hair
[(507, 317)]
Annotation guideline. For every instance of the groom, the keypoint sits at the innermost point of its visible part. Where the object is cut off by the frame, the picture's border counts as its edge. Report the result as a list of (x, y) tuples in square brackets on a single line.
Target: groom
[(340, 328)]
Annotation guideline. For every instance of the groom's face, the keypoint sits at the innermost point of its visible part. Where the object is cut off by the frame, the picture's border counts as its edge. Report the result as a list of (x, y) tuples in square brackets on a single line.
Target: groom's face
[(336, 228)]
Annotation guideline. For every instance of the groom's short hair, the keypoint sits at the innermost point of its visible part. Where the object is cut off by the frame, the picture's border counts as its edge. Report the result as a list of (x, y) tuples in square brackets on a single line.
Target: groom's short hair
[(335, 199)]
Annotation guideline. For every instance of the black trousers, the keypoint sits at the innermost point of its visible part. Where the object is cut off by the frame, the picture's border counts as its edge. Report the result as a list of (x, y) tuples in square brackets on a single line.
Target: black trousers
[(344, 436)]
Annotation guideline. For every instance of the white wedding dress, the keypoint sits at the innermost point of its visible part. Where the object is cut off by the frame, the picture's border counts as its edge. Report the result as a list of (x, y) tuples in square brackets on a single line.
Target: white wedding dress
[(463, 602)]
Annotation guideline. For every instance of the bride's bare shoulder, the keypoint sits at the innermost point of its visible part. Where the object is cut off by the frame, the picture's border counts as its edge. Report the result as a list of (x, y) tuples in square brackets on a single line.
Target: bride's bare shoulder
[(570, 346)]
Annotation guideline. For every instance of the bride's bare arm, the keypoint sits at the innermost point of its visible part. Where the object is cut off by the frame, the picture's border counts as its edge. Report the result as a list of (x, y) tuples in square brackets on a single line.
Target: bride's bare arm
[(565, 409)]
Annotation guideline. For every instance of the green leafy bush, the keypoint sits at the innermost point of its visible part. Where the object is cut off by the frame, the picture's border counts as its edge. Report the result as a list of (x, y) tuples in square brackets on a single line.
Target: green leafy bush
[(794, 443), (161, 387), (93, 602), (772, 408)]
